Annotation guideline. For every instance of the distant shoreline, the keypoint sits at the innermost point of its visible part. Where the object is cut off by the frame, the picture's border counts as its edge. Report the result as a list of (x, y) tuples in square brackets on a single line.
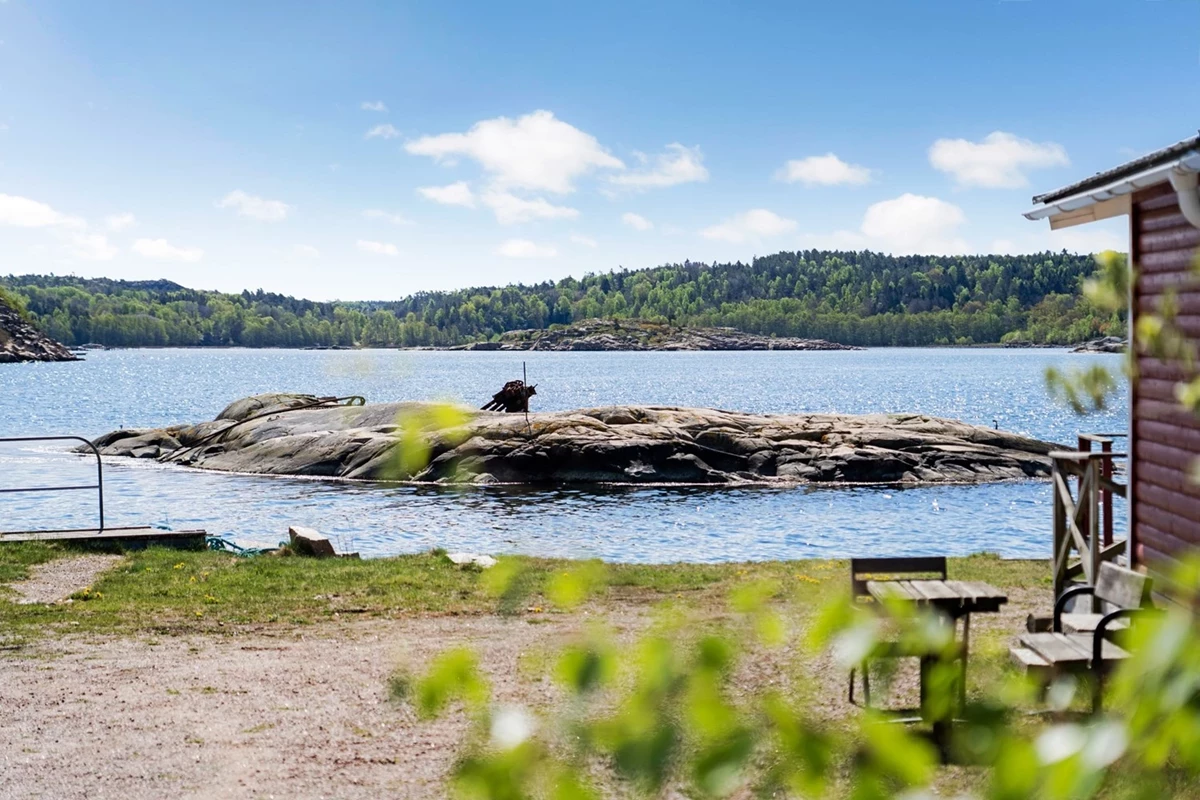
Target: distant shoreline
[(464, 349)]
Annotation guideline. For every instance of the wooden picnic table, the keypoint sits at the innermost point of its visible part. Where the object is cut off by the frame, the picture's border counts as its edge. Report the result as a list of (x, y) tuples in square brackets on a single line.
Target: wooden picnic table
[(956, 600)]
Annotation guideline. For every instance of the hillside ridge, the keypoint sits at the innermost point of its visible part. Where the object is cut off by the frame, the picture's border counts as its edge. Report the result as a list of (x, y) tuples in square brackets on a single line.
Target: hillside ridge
[(856, 298)]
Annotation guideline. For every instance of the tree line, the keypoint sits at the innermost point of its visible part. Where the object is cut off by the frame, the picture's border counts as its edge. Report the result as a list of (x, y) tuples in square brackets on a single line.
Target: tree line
[(861, 298)]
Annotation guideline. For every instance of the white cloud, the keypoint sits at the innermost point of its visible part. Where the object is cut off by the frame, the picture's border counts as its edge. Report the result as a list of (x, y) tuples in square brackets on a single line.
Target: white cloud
[(378, 248), (998, 162), (912, 223), (586, 241), (536, 151), (387, 216), (826, 170), (510, 209), (679, 164), (636, 221), (384, 131), (22, 212), (91, 247), (254, 207), (523, 248), (162, 250), (306, 251), (119, 222), (455, 194), (375, 106), (755, 224), (905, 225)]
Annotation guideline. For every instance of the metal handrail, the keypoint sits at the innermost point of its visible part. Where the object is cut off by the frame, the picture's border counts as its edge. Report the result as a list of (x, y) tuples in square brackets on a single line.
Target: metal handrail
[(98, 485)]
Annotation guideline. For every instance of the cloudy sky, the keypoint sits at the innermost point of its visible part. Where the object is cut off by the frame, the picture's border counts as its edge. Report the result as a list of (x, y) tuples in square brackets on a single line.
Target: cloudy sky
[(369, 150)]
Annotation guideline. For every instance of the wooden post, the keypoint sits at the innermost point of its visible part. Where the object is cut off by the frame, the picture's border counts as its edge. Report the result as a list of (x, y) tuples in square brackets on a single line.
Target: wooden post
[(1060, 532), (1106, 472), (1085, 508), (1093, 525)]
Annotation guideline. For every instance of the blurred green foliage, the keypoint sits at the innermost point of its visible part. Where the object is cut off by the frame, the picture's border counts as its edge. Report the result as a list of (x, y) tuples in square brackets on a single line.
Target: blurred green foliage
[(657, 716)]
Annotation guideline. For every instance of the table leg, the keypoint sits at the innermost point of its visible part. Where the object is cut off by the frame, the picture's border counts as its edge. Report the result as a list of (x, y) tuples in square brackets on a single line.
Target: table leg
[(966, 651)]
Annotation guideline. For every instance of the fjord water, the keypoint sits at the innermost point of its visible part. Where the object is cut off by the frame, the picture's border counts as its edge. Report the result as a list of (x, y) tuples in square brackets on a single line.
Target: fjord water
[(149, 388)]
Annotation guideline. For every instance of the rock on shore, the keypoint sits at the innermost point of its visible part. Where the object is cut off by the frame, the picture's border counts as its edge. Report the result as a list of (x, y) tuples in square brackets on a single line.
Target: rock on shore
[(607, 334), (20, 341), (617, 444)]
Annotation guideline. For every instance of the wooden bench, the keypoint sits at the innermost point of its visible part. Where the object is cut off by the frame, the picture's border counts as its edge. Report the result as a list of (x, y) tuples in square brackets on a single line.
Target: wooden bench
[(863, 570), (1081, 642)]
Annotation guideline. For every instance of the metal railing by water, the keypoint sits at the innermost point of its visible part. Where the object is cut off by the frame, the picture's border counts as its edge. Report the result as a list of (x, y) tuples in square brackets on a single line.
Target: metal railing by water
[(98, 485)]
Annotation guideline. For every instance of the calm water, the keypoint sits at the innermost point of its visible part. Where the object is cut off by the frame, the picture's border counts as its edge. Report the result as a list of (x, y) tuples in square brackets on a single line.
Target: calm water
[(144, 388)]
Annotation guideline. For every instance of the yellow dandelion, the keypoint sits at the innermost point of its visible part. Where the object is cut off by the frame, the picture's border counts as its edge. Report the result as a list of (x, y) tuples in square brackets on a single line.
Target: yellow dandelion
[(179, 565)]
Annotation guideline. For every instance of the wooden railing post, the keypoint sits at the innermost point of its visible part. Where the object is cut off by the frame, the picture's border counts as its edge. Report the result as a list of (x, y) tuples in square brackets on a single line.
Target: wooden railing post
[(1085, 507), (1093, 525), (1106, 472), (1058, 561)]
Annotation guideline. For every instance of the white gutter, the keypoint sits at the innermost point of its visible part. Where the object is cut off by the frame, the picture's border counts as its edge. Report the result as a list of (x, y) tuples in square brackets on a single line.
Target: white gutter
[(1184, 168), (1185, 185)]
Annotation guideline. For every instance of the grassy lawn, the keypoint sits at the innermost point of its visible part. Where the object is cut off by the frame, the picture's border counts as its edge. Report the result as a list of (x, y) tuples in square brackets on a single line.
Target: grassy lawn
[(159, 590)]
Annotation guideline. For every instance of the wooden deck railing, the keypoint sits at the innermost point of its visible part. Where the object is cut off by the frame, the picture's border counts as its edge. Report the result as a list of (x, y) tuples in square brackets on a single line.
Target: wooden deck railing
[(1084, 486)]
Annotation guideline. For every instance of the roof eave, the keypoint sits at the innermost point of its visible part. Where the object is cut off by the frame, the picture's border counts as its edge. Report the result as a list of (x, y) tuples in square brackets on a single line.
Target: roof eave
[(1189, 162)]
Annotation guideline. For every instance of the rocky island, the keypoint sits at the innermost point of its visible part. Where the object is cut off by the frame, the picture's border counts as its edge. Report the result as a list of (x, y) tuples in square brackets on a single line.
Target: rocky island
[(626, 334), (1106, 344), (21, 341), (288, 434)]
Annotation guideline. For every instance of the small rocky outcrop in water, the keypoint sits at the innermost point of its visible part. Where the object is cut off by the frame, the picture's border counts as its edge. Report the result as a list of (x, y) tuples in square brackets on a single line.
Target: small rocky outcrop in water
[(1106, 344), (20, 341), (268, 434), (608, 334)]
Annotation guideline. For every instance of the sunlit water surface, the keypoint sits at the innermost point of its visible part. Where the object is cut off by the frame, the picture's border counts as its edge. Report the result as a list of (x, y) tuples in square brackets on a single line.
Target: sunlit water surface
[(145, 388)]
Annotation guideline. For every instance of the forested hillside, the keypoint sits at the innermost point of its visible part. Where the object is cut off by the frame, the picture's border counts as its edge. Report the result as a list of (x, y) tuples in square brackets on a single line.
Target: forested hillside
[(860, 298)]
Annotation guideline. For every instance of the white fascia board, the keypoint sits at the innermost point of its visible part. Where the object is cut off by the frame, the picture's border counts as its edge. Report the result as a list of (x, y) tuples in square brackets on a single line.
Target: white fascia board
[(1124, 186)]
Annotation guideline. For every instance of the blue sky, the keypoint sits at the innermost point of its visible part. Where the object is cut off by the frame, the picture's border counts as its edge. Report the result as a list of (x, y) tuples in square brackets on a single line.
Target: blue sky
[(369, 150)]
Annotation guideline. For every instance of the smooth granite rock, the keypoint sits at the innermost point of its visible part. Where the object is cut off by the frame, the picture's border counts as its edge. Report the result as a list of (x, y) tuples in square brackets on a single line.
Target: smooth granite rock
[(616, 444)]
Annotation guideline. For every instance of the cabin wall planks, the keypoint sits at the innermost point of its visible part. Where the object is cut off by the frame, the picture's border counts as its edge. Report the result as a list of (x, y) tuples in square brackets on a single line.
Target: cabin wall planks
[(1165, 511)]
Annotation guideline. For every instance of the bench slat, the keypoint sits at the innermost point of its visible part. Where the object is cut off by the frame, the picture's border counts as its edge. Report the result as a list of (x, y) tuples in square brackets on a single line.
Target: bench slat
[(1122, 587), (1056, 648), (937, 591), (1073, 649), (1086, 623)]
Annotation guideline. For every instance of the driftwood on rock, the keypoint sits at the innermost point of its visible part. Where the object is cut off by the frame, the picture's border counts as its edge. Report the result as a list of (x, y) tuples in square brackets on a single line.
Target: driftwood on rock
[(512, 399), (614, 444)]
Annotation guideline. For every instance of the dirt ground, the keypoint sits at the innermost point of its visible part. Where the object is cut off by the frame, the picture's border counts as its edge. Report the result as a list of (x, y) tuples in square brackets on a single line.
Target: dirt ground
[(303, 712), (300, 715)]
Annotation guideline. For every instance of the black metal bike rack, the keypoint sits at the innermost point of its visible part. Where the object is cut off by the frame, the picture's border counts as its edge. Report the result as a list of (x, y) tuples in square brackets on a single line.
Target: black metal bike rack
[(98, 485)]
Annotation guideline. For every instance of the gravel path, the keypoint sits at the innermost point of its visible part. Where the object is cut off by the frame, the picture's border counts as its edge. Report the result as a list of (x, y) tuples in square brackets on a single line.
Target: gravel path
[(57, 580)]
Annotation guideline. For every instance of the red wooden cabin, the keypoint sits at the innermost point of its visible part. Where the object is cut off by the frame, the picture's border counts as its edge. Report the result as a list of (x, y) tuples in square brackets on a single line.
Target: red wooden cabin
[(1158, 193)]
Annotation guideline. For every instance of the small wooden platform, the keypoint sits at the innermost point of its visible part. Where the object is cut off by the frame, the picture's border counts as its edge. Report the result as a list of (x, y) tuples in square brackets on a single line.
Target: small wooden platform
[(127, 538)]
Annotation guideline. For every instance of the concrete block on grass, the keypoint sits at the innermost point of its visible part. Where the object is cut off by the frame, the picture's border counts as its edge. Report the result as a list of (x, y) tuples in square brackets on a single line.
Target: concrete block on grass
[(310, 542)]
